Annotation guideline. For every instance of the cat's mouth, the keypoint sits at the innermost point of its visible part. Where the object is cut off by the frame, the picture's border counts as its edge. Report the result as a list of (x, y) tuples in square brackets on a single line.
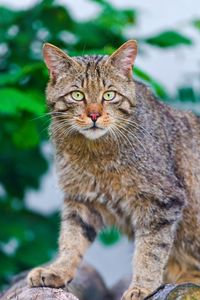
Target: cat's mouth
[(94, 127), (93, 132)]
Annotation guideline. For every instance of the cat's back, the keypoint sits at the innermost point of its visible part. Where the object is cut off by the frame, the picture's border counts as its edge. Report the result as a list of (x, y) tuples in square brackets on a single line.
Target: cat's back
[(180, 131)]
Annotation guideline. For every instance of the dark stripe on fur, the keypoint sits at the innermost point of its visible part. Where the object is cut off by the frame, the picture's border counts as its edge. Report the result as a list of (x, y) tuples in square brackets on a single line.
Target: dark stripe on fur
[(172, 202), (154, 256), (98, 71), (87, 68), (164, 223), (88, 230), (163, 245), (98, 60)]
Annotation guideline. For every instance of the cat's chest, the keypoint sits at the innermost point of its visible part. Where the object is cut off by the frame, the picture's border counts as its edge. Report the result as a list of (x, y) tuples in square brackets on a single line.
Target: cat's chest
[(98, 181)]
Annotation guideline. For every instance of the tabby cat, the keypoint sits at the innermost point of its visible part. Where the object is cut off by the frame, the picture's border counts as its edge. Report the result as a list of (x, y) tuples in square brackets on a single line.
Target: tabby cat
[(123, 159)]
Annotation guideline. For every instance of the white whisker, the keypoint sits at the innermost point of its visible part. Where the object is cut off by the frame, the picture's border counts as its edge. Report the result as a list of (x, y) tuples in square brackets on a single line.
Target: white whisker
[(133, 135)]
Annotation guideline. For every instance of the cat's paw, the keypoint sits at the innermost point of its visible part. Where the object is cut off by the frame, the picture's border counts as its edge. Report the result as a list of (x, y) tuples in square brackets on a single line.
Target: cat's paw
[(45, 277), (135, 293)]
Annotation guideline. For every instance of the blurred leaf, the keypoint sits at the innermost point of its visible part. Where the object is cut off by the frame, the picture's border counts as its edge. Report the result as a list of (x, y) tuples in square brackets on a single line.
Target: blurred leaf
[(10, 78), (14, 101), (168, 39), (158, 88), (28, 256), (8, 16), (26, 167), (196, 23), (109, 236), (15, 75), (8, 266), (186, 94), (60, 16), (26, 136), (15, 228)]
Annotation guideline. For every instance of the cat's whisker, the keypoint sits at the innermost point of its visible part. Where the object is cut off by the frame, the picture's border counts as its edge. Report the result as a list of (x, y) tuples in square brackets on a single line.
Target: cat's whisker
[(44, 128), (40, 117), (51, 114), (56, 122), (114, 135), (125, 138), (61, 135), (136, 125), (130, 121), (59, 125), (62, 130), (133, 135)]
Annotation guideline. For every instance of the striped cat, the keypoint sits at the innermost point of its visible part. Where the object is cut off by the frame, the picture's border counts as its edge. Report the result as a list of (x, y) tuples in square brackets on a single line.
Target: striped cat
[(123, 159)]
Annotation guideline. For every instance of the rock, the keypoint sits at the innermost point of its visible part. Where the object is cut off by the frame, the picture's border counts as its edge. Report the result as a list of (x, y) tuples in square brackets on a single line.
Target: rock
[(186, 291), (42, 293), (88, 285)]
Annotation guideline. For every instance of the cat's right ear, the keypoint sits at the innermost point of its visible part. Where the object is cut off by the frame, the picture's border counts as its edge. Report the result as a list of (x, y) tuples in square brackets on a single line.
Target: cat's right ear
[(57, 61)]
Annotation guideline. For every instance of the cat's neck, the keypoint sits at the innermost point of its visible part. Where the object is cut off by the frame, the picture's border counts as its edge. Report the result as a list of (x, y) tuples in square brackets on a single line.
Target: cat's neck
[(81, 147)]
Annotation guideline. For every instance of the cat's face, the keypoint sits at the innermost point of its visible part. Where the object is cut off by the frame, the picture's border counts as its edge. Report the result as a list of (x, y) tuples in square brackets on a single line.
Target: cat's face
[(92, 95)]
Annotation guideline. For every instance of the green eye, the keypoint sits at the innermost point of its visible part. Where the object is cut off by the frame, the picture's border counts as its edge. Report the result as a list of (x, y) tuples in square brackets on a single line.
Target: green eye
[(78, 96), (110, 95)]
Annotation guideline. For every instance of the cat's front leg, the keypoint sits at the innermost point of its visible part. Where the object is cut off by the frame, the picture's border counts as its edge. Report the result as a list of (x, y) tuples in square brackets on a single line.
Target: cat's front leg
[(150, 257), (154, 236), (79, 227)]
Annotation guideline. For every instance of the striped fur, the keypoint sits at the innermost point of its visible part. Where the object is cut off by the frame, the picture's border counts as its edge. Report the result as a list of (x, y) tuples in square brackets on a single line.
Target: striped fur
[(138, 168)]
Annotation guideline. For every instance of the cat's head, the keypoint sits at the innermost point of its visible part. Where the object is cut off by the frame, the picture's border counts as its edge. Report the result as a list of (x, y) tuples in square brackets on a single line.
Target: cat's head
[(92, 95)]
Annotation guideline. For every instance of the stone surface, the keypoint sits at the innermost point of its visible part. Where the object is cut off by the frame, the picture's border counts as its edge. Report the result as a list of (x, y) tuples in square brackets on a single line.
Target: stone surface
[(186, 291), (88, 285)]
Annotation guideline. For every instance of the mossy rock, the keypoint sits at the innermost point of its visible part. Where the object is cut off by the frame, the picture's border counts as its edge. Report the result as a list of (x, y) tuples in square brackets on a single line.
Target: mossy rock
[(186, 291)]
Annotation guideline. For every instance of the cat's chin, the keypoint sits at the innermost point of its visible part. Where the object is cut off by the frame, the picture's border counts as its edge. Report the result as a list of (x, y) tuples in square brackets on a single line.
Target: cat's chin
[(93, 134)]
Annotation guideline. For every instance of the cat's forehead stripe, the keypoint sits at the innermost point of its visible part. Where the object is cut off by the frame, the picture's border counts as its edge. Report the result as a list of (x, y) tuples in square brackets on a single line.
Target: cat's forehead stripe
[(95, 59), (92, 77)]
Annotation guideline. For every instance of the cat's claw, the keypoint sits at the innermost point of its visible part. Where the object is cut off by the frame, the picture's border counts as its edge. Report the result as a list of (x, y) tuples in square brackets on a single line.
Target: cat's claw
[(135, 294), (45, 277)]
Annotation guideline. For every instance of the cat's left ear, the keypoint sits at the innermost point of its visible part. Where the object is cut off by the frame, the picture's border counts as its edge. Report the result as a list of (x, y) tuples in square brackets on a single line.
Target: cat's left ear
[(124, 57)]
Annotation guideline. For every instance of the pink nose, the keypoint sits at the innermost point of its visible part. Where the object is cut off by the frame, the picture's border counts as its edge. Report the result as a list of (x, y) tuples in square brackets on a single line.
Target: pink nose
[(94, 116)]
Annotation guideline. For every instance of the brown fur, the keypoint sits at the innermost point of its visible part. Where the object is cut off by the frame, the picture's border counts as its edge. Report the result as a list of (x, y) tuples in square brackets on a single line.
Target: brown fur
[(139, 171)]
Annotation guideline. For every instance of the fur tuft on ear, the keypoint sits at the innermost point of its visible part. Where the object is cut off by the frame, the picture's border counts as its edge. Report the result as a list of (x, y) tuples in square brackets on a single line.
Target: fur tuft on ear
[(124, 57), (56, 60)]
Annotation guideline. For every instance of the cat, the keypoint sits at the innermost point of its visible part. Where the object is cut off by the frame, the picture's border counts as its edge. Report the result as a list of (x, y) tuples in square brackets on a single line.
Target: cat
[(123, 159)]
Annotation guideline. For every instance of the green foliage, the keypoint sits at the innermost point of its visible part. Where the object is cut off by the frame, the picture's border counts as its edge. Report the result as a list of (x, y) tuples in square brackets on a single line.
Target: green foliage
[(158, 88), (169, 39), (196, 23), (27, 238), (15, 102), (109, 236)]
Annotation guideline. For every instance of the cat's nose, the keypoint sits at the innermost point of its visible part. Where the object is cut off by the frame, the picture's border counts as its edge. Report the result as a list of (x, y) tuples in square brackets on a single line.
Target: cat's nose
[(94, 116)]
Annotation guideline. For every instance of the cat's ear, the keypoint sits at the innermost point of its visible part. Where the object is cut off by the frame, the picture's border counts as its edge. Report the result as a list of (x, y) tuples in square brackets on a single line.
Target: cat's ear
[(56, 60), (124, 57)]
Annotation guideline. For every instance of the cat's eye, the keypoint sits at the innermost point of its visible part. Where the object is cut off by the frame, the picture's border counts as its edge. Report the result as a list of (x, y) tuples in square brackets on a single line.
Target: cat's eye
[(109, 95), (77, 95)]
